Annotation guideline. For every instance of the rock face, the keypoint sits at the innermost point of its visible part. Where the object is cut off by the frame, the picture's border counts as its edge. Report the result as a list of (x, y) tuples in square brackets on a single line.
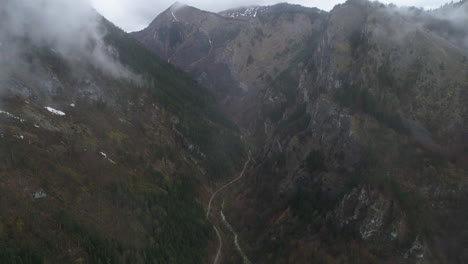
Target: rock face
[(368, 211), (359, 118), (235, 57)]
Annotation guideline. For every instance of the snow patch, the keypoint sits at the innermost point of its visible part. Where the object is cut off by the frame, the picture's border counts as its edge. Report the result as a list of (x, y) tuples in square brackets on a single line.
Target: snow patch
[(104, 155), (39, 194), (11, 116), (19, 137), (55, 111), (417, 250), (175, 18), (244, 12)]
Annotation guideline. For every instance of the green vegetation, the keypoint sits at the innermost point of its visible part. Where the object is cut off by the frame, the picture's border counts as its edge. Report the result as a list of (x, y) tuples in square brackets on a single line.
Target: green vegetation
[(358, 42), (201, 122), (374, 171), (273, 112), (362, 99), (169, 86), (250, 60), (219, 37), (222, 147), (315, 161), (139, 204), (385, 77), (286, 83), (297, 122), (182, 235), (180, 239), (306, 53), (175, 35), (13, 255), (168, 212), (259, 33)]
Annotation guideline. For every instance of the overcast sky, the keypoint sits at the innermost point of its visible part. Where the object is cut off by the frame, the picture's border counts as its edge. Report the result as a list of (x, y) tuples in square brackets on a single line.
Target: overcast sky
[(132, 15)]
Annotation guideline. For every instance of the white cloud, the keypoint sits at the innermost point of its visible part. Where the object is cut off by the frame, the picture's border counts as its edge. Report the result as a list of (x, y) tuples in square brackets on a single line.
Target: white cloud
[(134, 15), (69, 28)]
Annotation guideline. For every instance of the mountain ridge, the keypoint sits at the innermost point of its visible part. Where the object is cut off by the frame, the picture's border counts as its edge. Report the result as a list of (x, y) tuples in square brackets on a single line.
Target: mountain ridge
[(99, 168), (198, 45), (360, 110), (289, 136)]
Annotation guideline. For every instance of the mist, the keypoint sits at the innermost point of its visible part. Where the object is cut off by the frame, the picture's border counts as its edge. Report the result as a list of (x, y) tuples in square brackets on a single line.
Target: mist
[(135, 15), (456, 15), (71, 29), (449, 21)]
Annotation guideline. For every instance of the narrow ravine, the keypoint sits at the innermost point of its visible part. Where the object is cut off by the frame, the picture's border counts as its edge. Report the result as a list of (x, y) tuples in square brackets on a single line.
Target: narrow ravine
[(208, 211)]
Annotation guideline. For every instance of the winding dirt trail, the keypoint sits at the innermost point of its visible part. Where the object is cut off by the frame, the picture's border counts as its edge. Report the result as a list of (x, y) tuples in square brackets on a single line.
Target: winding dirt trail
[(220, 239), (227, 185), (208, 210), (245, 259)]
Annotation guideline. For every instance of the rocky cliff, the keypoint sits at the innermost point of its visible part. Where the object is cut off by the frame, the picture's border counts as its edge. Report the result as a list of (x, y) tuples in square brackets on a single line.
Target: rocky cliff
[(359, 121), (234, 56)]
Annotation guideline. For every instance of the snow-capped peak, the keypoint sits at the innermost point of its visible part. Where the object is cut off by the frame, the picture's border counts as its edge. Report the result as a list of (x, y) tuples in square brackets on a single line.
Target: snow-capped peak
[(252, 11)]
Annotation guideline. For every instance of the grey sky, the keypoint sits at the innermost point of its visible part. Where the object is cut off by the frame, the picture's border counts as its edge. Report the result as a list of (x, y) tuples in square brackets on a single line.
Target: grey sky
[(134, 15)]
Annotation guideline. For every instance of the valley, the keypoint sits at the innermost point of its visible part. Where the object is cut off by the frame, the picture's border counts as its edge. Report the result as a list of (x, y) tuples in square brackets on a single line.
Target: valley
[(260, 134), (356, 125)]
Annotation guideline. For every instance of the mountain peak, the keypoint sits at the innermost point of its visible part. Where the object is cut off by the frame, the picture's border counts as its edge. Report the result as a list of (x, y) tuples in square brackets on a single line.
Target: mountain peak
[(173, 11), (248, 11), (256, 10), (177, 5)]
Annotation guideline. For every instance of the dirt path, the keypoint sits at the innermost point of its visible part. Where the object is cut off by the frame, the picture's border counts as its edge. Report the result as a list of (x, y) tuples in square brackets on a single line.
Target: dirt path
[(208, 210), (218, 254), (226, 185), (245, 259)]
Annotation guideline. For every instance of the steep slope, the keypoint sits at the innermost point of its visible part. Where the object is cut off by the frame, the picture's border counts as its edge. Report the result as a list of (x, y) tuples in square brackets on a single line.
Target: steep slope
[(360, 129), (365, 152), (234, 57), (105, 154)]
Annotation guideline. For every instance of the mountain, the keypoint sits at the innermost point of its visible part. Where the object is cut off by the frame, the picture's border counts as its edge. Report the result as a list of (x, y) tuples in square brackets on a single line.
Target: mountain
[(232, 57), (107, 153), (358, 121)]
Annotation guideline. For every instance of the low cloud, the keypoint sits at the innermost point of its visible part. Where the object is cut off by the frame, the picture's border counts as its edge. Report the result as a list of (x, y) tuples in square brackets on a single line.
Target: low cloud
[(449, 21), (456, 16), (67, 27), (133, 15)]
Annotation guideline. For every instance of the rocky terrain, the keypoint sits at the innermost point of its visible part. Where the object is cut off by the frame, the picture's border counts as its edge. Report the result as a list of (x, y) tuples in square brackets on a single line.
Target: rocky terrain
[(263, 134), (358, 117), (233, 56)]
